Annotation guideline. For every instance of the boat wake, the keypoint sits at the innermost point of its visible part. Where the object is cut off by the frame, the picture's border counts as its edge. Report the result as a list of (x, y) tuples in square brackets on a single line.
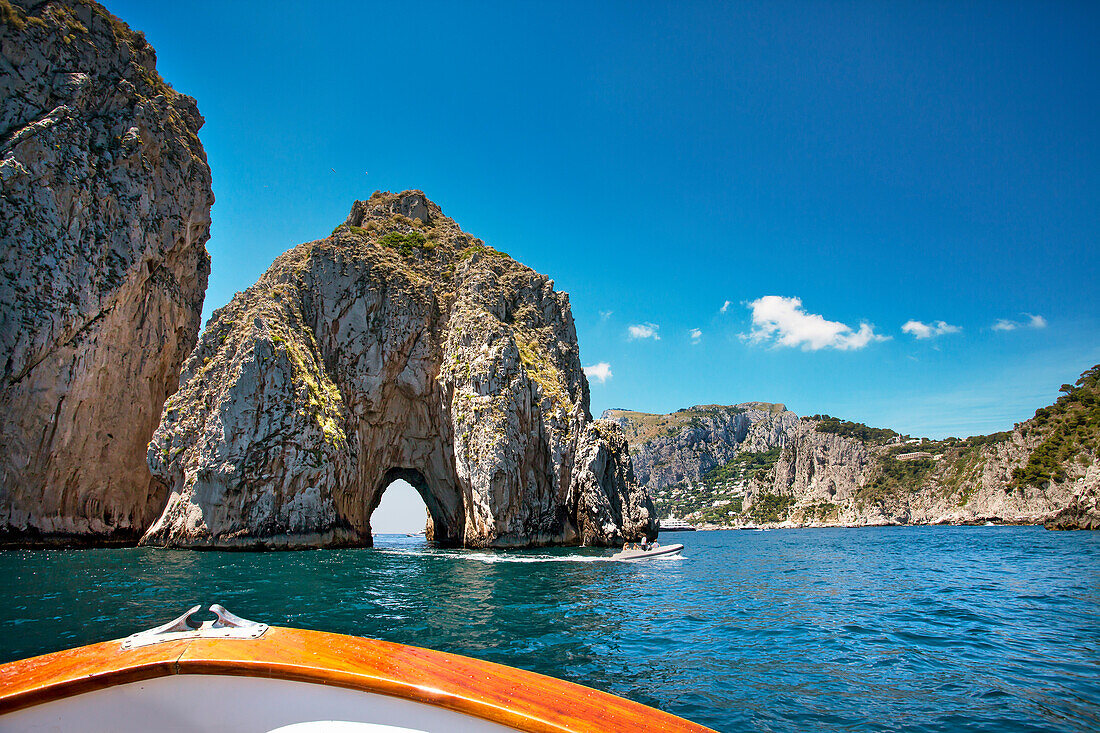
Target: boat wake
[(494, 557)]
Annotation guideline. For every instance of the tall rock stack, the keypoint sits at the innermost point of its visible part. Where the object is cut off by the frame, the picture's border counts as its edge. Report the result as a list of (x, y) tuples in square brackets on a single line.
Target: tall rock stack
[(398, 347), (105, 214)]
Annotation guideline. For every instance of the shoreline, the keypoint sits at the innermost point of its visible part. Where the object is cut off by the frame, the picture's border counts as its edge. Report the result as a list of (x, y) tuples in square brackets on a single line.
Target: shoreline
[(993, 521)]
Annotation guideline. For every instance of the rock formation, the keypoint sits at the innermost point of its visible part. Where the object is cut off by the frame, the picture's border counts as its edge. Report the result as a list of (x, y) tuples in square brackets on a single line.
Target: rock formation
[(669, 450), (836, 479), (399, 347), (1082, 513), (775, 468), (106, 211)]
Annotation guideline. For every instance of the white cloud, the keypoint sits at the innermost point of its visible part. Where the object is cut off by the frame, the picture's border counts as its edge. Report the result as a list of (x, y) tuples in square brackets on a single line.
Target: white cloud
[(725, 307), (604, 315), (929, 330), (695, 334), (782, 321), (1032, 321), (644, 331), (598, 372)]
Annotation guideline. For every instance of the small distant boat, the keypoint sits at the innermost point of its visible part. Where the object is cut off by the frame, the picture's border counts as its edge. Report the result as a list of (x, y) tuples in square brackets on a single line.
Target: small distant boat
[(231, 674), (672, 524), (653, 551), (414, 534)]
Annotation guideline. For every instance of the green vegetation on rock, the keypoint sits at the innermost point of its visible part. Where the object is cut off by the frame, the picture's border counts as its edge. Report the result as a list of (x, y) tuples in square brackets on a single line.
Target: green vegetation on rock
[(541, 369), (857, 430), (17, 17), (770, 508), (744, 465), (323, 398), (839, 471), (642, 427), (896, 476), (1069, 427), (404, 243), (977, 441), (719, 498), (824, 511)]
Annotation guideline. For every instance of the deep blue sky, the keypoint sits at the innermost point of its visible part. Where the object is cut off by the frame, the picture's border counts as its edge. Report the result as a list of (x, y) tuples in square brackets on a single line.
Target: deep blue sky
[(881, 162)]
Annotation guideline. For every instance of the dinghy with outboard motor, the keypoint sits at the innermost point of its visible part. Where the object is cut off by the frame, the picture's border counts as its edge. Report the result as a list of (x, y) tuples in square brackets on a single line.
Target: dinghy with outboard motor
[(655, 550), (231, 674)]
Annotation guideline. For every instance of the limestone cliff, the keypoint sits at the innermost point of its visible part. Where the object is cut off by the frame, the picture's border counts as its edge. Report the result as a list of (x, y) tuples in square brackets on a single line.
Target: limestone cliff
[(398, 347), (822, 471), (673, 452), (824, 479), (106, 210)]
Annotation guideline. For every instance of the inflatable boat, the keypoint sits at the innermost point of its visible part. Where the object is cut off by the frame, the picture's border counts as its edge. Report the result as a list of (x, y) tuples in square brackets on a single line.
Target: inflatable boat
[(231, 674), (653, 551)]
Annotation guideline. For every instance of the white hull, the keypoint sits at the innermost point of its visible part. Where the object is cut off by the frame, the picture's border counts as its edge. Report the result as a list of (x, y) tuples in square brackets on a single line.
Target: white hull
[(670, 551), (199, 702)]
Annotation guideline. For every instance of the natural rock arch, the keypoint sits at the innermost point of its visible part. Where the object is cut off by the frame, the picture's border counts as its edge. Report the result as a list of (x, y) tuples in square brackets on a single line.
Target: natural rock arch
[(444, 517), (400, 343)]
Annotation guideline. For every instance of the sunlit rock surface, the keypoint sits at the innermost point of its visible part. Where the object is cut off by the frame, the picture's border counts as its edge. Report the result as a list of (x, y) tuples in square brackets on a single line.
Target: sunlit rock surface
[(399, 347), (104, 213), (757, 463)]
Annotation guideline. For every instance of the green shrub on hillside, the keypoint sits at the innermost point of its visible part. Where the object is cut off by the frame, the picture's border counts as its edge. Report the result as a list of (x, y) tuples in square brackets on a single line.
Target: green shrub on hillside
[(899, 476), (404, 243), (743, 465), (857, 430), (976, 441), (1070, 426), (770, 508)]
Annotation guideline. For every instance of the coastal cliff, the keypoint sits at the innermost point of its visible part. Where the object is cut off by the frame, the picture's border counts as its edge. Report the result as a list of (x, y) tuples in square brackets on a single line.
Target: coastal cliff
[(821, 471), (103, 269), (399, 347), (668, 450)]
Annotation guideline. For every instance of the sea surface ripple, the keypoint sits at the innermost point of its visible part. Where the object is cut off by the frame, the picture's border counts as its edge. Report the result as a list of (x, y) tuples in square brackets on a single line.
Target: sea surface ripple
[(873, 629)]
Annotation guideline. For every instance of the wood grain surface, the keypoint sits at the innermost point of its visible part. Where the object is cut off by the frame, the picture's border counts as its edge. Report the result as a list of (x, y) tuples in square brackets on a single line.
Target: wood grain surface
[(512, 697)]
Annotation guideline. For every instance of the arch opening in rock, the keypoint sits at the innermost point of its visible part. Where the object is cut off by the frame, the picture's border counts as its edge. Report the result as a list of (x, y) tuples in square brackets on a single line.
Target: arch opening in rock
[(444, 520), (400, 347), (400, 511)]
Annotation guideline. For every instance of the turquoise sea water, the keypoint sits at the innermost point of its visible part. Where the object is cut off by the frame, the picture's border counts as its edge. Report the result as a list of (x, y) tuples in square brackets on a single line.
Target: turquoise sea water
[(923, 629)]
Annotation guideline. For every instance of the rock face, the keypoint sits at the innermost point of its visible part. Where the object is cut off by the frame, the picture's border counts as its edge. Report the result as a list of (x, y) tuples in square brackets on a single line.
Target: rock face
[(819, 471), (106, 211), (668, 450), (833, 479), (1082, 513), (399, 347)]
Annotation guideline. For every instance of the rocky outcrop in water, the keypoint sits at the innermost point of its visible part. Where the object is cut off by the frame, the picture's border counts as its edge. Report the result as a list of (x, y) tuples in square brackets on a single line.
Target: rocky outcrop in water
[(106, 210), (399, 347), (1082, 513)]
